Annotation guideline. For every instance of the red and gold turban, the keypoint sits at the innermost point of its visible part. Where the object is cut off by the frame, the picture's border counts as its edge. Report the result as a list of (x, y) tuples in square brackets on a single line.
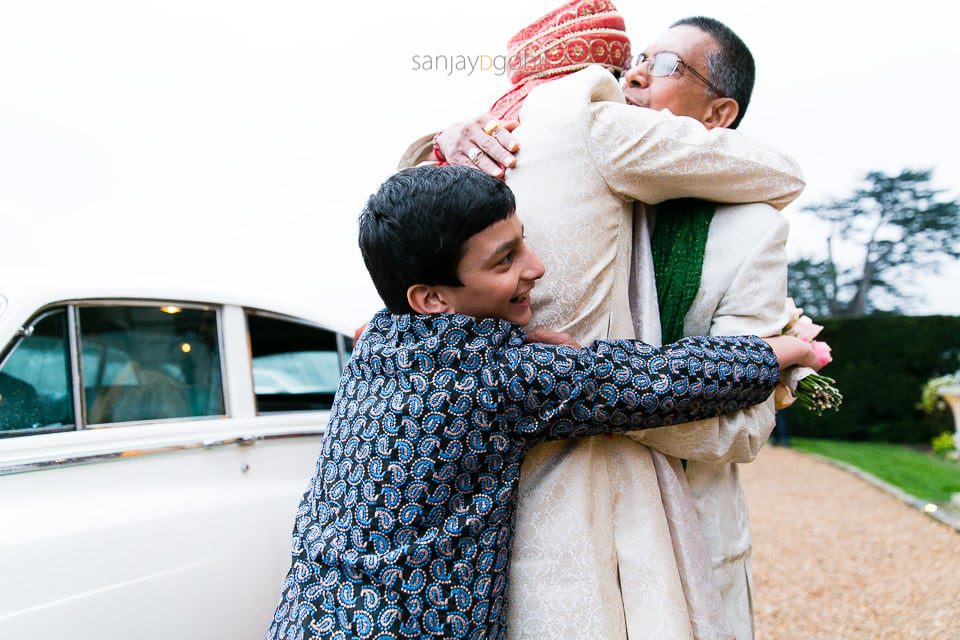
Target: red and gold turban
[(569, 38)]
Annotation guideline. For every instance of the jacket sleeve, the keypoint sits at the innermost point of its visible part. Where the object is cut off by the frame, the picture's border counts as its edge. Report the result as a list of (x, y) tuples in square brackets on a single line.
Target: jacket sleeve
[(653, 156), (549, 392), (754, 303)]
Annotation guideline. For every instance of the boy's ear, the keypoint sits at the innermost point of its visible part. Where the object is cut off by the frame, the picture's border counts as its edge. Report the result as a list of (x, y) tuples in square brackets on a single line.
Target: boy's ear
[(426, 299)]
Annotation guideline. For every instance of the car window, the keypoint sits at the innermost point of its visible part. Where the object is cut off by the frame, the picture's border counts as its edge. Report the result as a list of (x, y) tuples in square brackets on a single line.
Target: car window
[(296, 367), (150, 363), (35, 389)]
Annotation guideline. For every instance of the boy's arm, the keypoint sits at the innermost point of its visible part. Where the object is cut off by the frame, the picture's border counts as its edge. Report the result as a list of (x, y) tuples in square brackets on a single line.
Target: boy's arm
[(551, 392)]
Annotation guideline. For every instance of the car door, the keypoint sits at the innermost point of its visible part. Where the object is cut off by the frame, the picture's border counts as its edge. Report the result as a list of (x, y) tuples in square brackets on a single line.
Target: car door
[(123, 516), (152, 457), (296, 367)]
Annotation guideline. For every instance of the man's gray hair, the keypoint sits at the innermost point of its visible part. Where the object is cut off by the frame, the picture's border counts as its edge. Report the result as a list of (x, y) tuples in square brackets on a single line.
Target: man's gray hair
[(730, 65)]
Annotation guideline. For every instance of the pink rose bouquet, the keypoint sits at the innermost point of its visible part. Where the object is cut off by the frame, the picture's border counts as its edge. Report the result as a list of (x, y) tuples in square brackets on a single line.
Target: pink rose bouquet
[(802, 384)]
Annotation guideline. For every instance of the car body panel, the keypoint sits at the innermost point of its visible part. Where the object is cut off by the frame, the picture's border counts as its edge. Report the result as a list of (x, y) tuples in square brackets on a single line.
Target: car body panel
[(176, 528)]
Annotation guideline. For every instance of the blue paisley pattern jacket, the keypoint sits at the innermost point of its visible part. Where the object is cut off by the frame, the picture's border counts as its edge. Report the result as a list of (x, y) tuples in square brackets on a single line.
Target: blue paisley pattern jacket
[(405, 529)]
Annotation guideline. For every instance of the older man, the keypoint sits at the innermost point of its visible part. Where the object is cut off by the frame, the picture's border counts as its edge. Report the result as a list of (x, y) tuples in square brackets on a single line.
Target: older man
[(739, 287), (595, 555)]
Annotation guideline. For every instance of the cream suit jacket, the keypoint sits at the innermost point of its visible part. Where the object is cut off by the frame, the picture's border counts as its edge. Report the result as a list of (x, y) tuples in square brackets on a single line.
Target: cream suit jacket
[(742, 291), (593, 555)]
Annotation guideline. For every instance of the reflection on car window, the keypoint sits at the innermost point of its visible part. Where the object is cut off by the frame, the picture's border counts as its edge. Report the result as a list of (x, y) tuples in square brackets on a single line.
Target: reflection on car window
[(35, 388), (150, 363), (296, 367)]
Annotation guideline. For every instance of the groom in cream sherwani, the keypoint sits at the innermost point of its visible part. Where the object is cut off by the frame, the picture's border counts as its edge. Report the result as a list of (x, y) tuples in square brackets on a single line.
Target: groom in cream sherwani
[(608, 543)]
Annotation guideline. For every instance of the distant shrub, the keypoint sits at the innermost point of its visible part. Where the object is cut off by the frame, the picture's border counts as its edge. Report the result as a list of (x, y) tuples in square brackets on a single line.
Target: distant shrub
[(930, 399), (943, 444), (881, 364)]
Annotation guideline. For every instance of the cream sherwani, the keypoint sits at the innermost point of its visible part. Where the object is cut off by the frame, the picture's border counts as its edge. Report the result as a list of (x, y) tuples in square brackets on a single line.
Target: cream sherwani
[(742, 291), (593, 554)]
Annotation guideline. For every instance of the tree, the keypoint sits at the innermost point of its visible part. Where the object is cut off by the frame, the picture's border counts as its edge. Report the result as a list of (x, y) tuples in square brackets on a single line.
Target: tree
[(899, 224), (811, 285)]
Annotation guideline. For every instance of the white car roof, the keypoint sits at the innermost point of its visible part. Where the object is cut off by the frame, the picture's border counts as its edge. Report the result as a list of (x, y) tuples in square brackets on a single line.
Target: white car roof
[(39, 293)]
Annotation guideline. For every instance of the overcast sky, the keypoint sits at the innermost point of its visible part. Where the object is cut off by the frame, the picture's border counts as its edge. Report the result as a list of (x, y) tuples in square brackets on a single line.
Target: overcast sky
[(238, 140)]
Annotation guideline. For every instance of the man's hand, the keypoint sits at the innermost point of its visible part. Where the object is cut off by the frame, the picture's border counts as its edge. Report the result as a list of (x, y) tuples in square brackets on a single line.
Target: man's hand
[(545, 336), (491, 152), (783, 397)]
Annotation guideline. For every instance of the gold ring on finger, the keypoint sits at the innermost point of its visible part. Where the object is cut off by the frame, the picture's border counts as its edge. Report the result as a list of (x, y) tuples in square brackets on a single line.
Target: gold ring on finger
[(491, 127)]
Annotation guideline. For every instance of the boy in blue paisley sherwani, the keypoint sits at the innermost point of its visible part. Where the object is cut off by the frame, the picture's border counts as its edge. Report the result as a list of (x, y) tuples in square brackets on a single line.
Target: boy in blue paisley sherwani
[(406, 527)]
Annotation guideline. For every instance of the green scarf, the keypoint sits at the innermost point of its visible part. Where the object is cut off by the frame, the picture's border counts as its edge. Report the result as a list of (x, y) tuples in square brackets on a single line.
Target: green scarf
[(678, 243)]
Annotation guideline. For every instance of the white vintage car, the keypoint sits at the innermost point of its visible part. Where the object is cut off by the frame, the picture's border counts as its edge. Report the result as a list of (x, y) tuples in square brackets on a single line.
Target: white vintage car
[(154, 446)]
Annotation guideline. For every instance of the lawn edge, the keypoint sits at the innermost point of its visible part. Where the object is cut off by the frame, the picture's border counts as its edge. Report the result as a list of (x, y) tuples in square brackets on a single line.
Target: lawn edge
[(939, 515)]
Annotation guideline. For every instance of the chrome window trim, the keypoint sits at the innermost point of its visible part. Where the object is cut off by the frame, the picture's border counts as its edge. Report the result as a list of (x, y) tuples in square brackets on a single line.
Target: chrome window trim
[(280, 316), (18, 433), (106, 425), (76, 364), (6, 470), (221, 356), (237, 365), (339, 340), (72, 308), (137, 423), (46, 309), (139, 302), (249, 344)]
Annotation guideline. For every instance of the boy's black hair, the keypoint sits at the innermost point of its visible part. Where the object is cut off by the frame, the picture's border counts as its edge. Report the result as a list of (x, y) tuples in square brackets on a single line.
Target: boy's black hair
[(414, 227)]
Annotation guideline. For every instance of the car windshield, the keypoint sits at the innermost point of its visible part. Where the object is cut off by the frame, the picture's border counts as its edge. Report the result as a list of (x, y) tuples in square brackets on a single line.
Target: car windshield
[(35, 377)]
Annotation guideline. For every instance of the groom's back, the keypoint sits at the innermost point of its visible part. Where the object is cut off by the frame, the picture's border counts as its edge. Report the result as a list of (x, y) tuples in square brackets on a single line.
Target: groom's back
[(579, 228)]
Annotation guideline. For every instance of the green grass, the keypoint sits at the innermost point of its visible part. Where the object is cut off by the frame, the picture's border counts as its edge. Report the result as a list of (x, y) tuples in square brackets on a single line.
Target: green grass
[(920, 474)]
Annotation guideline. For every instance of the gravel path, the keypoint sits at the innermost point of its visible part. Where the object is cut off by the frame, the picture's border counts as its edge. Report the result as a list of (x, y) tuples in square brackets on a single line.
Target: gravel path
[(837, 559)]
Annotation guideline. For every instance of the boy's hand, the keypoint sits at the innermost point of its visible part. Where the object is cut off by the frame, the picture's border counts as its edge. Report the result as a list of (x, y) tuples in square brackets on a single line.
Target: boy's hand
[(792, 351), (545, 336)]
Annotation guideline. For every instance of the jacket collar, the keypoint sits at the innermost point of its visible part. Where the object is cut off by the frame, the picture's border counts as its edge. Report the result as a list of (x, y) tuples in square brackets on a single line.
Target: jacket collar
[(431, 332)]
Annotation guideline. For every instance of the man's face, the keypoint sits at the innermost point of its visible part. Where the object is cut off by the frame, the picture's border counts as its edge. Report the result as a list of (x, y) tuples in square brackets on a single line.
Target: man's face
[(498, 271), (682, 93)]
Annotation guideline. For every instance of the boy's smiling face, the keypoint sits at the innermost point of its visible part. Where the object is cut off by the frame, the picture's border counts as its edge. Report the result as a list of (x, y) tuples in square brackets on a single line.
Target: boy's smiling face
[(498, 271)]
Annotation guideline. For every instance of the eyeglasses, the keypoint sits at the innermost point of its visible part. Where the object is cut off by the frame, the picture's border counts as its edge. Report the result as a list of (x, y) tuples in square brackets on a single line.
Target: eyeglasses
[(666, 63)]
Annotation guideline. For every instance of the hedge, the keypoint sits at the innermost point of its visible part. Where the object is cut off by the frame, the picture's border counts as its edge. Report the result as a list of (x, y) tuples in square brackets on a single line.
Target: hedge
[(880, 364)]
